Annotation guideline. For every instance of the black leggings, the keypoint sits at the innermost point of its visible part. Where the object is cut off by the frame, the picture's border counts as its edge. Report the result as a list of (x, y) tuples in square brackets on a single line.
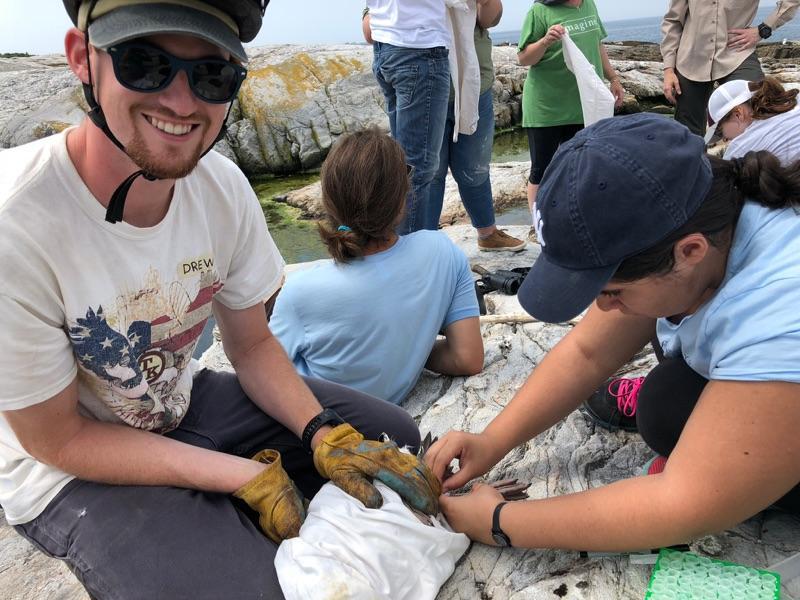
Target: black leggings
[(543, 143), (666, 399)]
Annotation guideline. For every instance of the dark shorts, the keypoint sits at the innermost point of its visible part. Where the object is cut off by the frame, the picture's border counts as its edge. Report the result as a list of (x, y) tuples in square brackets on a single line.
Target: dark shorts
[(543, 143), (130, 542), (692, 104), (666, 401)]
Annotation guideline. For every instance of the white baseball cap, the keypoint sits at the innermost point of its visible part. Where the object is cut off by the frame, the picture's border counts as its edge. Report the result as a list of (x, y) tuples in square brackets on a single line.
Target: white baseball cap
[(725, 98)]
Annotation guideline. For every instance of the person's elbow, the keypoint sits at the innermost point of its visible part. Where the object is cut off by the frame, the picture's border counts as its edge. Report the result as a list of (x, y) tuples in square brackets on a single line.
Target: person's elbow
[(696, 509), (56, 449), (366, 29), (475, 363), (469, 359)]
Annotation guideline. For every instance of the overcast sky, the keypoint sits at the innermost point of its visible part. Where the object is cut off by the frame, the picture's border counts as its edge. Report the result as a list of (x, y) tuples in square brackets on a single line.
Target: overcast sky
[(38, 26)]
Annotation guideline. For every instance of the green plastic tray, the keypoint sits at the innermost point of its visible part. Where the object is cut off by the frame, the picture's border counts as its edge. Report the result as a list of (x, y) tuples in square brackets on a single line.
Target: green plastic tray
[(686, 576)]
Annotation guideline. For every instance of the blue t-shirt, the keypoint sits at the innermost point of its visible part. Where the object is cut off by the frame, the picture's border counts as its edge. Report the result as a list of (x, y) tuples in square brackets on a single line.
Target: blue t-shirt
[(750, 329), (370, 324)]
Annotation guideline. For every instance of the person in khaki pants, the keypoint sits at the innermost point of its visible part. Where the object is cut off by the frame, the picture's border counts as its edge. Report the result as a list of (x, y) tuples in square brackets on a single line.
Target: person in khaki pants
[(705, 42)]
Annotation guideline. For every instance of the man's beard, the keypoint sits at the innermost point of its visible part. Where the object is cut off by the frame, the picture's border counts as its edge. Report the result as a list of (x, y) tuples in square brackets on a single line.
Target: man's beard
[(163, 166)]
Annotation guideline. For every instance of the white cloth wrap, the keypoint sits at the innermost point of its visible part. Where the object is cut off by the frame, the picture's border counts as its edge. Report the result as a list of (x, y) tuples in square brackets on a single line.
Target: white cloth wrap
[(346, 550), (465, 71)]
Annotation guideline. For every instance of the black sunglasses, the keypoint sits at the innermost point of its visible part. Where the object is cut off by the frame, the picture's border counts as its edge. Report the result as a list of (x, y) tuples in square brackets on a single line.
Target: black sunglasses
[(142, 67)]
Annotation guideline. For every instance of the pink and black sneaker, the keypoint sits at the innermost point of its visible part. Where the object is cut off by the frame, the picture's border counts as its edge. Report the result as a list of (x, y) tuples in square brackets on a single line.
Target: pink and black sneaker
[(655, 465), (613, 405)]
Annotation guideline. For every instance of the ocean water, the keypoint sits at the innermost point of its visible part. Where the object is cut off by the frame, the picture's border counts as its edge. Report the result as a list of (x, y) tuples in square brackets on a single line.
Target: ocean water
[(648, 29)]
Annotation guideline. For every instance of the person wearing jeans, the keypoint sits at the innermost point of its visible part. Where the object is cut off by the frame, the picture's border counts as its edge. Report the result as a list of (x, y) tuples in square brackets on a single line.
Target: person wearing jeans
[(410, 63), (468, 158)]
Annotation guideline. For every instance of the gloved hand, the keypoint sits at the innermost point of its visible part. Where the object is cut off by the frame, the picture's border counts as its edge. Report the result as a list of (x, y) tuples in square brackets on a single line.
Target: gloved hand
[(344, 457), (275, 498)]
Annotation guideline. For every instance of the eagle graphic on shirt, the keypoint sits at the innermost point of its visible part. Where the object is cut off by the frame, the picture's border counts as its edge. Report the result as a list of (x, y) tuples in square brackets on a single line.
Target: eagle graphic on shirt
[(133, 352)]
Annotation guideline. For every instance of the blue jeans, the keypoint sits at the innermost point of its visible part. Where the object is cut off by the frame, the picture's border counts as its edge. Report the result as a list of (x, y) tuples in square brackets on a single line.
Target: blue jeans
[(468, 159), (416, 85)]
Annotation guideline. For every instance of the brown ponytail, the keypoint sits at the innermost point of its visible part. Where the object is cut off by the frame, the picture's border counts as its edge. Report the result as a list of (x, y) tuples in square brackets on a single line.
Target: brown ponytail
[(770, 98), (756, 176), (760, 177), (364, 188)]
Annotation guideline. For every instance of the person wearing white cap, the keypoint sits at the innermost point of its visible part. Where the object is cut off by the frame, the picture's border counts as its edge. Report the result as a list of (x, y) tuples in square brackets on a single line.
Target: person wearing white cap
[(758, 115), (706, 42)]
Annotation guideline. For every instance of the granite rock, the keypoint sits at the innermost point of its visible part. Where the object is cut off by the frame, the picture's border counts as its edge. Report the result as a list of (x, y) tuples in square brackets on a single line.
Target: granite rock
[(298, 99)]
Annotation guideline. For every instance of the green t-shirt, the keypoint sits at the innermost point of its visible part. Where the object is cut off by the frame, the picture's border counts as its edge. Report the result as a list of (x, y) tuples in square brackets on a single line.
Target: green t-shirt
[(550, 96), (483, 48)]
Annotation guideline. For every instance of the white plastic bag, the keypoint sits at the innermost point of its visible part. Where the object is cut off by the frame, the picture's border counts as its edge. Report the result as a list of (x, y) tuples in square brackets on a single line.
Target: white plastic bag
[(464, 68), (346, 550), (597, 101)]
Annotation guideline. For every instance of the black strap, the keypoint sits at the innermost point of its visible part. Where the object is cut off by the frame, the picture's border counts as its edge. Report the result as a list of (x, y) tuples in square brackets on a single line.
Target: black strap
[(496, 516), (327, 416), (499, 536), (116, 205)]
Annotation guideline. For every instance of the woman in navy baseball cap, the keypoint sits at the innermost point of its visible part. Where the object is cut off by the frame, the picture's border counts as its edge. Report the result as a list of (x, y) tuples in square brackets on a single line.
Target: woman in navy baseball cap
[(653, 236)]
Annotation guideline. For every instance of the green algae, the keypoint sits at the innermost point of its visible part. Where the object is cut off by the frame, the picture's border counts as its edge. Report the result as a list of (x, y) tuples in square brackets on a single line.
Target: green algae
[(510, 145), (296, 238)]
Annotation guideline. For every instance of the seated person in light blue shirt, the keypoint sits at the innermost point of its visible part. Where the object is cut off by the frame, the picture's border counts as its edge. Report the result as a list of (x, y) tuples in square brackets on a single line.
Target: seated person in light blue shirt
[(369, 318)]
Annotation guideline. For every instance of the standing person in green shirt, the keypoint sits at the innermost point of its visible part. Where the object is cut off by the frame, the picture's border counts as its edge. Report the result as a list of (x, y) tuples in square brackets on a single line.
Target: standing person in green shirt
[(551, 106)]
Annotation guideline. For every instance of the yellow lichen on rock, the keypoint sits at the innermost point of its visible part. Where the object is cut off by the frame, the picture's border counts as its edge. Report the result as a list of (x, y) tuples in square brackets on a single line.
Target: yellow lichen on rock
[(47, 128), (288, 85)]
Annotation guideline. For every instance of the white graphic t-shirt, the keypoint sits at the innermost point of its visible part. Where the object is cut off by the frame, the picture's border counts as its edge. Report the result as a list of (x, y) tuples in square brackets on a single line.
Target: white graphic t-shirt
[(118, 306)]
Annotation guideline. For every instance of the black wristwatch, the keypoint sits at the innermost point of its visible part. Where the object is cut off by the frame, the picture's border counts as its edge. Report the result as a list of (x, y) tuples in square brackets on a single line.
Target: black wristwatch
[(764, 31), (326, 417), (498, 535)]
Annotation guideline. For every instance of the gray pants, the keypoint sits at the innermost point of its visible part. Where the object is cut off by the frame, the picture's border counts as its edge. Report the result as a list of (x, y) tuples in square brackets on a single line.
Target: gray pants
[(692, 103), (130, 542)]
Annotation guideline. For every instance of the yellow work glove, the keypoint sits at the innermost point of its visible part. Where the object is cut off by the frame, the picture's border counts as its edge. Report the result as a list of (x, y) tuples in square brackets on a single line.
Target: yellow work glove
[(275, 498), (350, 461)]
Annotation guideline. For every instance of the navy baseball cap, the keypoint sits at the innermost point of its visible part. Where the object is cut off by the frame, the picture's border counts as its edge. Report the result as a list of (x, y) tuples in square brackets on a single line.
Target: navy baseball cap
[(614, 190)]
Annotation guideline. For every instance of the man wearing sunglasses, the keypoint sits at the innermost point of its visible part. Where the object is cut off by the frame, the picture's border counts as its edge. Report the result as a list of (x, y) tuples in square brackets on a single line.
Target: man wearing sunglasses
[(118, 238)]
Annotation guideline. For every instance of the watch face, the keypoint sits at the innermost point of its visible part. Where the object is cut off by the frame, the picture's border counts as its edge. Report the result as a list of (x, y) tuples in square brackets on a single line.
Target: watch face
[(500, 538)]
